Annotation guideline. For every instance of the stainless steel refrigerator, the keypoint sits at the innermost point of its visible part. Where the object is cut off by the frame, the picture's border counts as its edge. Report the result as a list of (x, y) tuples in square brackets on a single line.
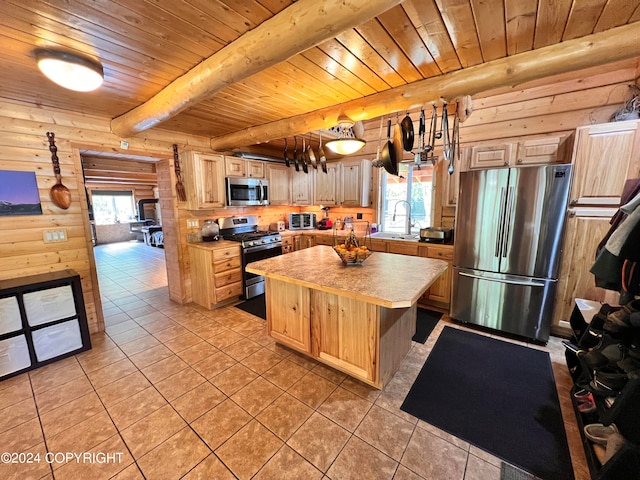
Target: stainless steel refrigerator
[(509, 226)]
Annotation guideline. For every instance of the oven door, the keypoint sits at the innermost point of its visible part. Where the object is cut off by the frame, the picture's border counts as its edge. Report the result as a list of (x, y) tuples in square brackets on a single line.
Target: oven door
[(254, 284), (246, 191)]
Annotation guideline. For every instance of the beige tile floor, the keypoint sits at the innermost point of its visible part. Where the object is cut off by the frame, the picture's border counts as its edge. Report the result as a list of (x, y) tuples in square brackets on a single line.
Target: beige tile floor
[(171, 391)]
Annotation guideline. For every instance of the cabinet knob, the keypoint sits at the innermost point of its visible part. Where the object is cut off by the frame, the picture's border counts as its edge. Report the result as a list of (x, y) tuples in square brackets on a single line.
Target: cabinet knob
[(573, 201), (506, 162), (520, 160), (572, 213)]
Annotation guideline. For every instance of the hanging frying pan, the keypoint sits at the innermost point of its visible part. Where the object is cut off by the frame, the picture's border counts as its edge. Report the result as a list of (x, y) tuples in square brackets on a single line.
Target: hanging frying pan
[(303, 157), (311, 155), (296, 163), (323, 158), (388, 155), (407, 133), (286, 155)]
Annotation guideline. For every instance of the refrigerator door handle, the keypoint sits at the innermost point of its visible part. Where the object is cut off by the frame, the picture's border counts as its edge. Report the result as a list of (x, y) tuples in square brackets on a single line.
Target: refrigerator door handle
[(507, 222), (531, 283), (500, 222)]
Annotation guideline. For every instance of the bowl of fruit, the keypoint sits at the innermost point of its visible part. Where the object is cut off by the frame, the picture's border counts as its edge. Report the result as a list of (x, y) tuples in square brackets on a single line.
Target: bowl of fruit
[(350, 252)]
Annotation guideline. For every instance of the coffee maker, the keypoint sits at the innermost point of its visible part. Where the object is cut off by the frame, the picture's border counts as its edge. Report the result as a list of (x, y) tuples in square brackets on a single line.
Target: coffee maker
[(325, 223)]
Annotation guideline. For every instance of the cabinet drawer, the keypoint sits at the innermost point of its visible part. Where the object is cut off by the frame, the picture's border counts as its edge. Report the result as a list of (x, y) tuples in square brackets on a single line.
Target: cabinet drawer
[(228, 291), (14, 355), (403, 248), (48, 305), (225, 278), (442, 253), (226, 264), (57, 340), (287, 240), (10, 320), (222, 254), (287, 249), (324, 240)]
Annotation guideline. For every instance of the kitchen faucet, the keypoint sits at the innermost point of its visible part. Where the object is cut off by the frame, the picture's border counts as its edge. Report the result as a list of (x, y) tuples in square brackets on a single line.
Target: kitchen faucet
[(408, 223)]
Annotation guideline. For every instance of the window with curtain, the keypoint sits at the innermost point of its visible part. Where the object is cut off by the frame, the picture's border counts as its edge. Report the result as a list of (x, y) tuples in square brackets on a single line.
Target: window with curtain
[(111, 207), (415, 189)]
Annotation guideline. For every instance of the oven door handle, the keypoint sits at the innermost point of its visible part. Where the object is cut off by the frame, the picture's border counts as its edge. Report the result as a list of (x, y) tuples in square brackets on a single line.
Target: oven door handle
[(258, 248)]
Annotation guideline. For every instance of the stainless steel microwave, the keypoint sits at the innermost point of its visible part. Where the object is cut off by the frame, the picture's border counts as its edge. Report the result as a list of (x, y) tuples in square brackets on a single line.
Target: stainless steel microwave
[(246, 191), (302, 221)]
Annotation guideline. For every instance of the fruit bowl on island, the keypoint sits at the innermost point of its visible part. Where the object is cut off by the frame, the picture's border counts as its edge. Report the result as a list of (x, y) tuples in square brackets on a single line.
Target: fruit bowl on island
[(350, 252)]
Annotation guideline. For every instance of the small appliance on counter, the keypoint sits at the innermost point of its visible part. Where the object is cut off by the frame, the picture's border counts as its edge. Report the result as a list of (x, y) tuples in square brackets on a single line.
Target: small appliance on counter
[(279, 226), (325, 223), (302, 221), (436, 235), (210, 231)]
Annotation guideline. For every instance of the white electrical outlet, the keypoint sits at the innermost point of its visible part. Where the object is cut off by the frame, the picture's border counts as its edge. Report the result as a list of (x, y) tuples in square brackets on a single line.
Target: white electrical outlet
[(124, 145)]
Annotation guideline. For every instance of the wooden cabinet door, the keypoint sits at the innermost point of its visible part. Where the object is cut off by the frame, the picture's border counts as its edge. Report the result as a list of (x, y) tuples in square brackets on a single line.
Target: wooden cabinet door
[(288, 314), (439, 294), (255, 169), (235, 167), (581, 238), (356, 183), (279, 185), (451, 183), (326, 185), (204, 177), (344, 333), (491, 156), (301, 188), (542, 151), (605, 156)]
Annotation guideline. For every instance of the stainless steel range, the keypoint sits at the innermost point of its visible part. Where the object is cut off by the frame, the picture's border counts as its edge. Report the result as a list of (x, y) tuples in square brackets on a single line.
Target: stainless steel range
[(256, 245)]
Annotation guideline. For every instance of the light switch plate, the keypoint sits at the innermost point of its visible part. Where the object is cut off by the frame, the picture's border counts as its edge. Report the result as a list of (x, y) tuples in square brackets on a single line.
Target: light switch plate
[(55, 235)]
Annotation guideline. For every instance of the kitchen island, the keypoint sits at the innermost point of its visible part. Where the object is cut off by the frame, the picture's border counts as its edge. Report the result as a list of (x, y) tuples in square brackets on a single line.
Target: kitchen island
[(357, 319)]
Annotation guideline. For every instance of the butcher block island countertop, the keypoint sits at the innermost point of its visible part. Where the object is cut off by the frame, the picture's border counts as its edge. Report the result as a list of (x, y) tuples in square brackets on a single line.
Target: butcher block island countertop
[(357, 319)]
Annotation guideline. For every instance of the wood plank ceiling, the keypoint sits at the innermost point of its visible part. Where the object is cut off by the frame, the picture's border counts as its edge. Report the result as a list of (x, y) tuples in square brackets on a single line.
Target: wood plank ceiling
[(146, 44)]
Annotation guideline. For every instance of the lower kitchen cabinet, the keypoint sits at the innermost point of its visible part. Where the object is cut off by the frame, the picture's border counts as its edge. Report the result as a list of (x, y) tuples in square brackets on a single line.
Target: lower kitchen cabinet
[(303, 241), (42, 319), (439, 294), (287, 244), (216, 273)]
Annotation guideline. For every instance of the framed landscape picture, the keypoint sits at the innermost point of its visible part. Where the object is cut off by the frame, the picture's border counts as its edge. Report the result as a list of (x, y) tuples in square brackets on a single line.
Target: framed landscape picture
[(19, 194)]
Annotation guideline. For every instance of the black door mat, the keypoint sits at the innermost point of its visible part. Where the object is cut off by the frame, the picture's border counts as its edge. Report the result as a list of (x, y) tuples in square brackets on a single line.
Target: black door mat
[(498, 396), (425, 323), (255, 306)]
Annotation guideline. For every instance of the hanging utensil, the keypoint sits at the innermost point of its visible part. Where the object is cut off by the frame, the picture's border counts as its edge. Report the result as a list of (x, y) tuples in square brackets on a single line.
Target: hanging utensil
[(433, 135), (311, 155), (286, 155), (446, 142), (323, 158), (455, 141), (60, 195), (417, 159), (397, 140), (377, 162), (388, 156), (303, 157), (407, 133), (296, 160), (180, 191)]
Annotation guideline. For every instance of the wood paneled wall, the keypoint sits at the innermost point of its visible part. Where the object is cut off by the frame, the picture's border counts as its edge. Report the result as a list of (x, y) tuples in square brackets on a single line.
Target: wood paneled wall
[(24, 147)]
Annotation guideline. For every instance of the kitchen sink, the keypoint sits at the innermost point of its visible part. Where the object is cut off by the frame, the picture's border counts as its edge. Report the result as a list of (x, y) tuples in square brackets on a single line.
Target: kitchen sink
[(395, 236)]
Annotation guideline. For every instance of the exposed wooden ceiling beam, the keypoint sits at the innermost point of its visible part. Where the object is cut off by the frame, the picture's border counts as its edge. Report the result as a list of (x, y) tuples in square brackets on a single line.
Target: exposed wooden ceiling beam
[(597, 49), (304, 24)]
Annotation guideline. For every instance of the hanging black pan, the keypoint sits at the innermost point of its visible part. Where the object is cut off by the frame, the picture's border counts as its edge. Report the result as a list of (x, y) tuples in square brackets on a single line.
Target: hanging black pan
[(388, 155), (286, 155), (407, 133), (296, 164)]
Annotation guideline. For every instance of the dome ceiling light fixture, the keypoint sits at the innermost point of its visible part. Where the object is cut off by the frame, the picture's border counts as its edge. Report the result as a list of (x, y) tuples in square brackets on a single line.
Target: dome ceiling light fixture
[(346, 143), (70, 70)]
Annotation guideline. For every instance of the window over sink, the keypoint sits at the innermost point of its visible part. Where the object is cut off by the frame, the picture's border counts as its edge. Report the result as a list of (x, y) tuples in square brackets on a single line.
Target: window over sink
[(415, 189)]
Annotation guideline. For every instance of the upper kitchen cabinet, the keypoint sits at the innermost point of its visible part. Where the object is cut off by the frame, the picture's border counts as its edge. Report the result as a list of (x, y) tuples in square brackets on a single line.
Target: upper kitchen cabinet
[(491, 156), (204, 177), (534, 151), (605, 156), (239, 167), (301, 188), (279, 178), (451, 183), (543, 150), (327, 185), (356, 183)]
